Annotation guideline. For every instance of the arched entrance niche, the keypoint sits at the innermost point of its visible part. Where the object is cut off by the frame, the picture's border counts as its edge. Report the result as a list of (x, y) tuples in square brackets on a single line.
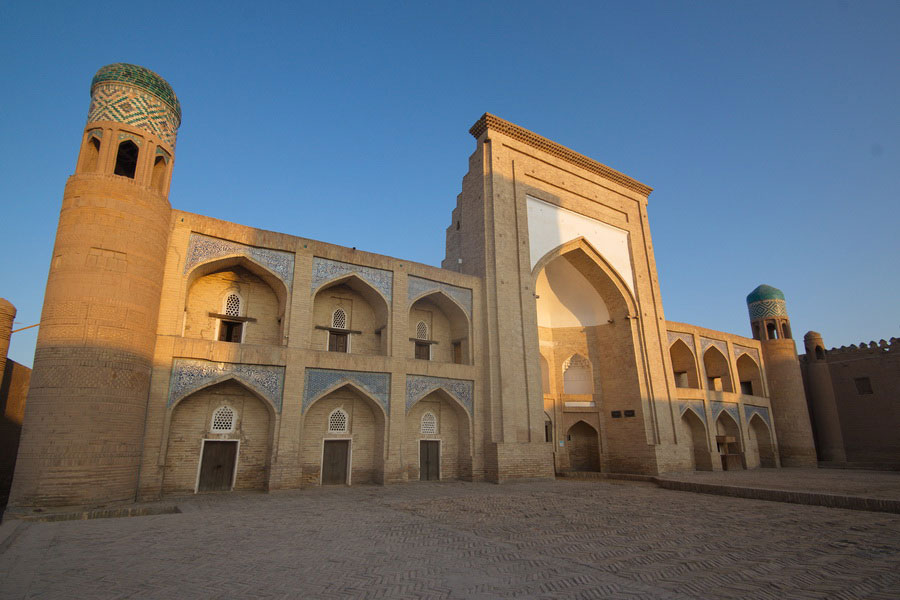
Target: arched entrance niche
[(357, 438), (235, 299), (584, 308), (761, 451), (693, 433), (223, 412), (440, 421), (728, 442), (684, 365), (364, 327), (717, 373), (446, 327), (749, 376), (583, 443)]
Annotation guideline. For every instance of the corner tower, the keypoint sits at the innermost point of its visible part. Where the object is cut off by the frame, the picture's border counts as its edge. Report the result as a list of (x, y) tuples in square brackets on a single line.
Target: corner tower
[(822, 403), (84, 422), (772, 327)]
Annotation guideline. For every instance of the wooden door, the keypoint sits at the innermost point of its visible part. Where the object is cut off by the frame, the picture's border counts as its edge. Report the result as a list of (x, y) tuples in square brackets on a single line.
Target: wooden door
[(217, 466), (429, 460), (334, 462)]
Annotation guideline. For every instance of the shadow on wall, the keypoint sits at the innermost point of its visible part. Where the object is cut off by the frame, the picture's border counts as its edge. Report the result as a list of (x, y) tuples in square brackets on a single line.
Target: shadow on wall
[(13, 390)]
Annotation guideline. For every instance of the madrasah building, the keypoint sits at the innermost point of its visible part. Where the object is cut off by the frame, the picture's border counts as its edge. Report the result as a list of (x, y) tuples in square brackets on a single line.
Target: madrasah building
[(180, 353)]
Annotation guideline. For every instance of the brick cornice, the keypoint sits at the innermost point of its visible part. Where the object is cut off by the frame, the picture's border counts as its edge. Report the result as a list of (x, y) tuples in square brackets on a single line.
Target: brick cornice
[(489, 121)]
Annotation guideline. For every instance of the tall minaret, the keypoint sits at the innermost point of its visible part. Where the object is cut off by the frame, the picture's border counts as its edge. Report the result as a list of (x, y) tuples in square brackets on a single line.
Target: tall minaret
[(84, 421), (771, 325), (821, 400)]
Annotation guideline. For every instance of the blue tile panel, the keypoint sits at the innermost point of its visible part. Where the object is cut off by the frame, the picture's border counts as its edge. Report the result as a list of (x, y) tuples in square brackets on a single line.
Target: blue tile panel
[(751, 352), (705, 343), (687, 338), (731, 408), (767, 308), (419, 287), (695, 405), (203, 248), (419, 386), (325, 270), (192, 374), (762, 411), (122, 103), (318, 381)]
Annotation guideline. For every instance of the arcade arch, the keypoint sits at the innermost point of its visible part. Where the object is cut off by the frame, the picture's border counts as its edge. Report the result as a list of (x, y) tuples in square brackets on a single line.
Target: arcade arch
[(444, 452), (684, 365), (718, 375), (750, 377), (365, 318), (446, 326), (693, 432), (761, 450)]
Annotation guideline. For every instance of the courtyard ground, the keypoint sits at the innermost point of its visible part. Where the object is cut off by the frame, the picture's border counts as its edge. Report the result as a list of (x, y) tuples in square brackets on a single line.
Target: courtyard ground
[(553, 539)]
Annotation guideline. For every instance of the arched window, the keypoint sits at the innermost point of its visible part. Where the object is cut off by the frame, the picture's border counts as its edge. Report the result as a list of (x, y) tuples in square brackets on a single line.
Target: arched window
[(337, 421), (339, 319), (339, 341), (577, 376), (91, 155), (423, 350), (231, 331), (786, 330), (222, 420), (771, 331), (158, 178), (126, 159), (429, 424)]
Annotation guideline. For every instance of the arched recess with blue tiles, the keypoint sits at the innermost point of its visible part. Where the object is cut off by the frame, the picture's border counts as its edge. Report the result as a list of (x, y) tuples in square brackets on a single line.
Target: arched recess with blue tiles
[(446, 311), (760, 443), (203, 456), (449, 442), (363, 295), (352, 453), (259, 316)]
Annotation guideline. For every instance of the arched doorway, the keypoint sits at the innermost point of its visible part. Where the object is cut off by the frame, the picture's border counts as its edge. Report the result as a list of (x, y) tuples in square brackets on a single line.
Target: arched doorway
[(342, 439), (728, 442), (693, 432), (221, 428), (584, 447), (761, 451), (438, 439)]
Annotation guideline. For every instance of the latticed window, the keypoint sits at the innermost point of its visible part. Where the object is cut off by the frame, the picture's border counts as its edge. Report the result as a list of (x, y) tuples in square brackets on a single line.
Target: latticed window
[(422, 330), (339, 319), (337, 421), (429, 424), (223, 420), (233, 305)]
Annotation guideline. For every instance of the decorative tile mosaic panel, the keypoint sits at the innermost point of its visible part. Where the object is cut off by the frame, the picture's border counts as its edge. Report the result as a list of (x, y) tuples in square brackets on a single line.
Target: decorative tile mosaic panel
[(731, 408), (696, 405), (767, 308), (191, 374), (705, 343), (419, 286), (324, 270), (141, 77), (687, 338), (419, 386), (377, 385), (133, 138), (203, 248), (752, 352), (762, 411), (95, 133), (130, 105)]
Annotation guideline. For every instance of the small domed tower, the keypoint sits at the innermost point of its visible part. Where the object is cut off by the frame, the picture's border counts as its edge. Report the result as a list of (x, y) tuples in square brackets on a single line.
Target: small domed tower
[(822, 404), (772, 327), (84, 421)]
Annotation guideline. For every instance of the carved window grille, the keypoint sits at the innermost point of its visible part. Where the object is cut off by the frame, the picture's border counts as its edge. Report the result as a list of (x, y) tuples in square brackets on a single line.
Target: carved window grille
[(223, 420), (422, 330), (233, 305), (339, 319), (429, 424), (337, 421)]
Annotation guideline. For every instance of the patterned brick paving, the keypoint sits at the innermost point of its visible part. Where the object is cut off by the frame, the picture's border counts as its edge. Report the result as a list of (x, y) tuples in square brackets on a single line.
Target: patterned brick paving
[(564, 539)]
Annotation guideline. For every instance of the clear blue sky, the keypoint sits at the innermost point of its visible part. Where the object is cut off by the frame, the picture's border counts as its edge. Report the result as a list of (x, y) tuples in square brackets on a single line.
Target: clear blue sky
[(769, 130)]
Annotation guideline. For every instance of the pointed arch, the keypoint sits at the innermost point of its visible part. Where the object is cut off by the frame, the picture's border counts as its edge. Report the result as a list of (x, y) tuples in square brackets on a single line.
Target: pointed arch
[(749, 375), (224, 263), (273, 409), (684, 365), (696, 436), (578, 375), (444, 393), (353, 387), (369, 313), (762, 447), (718, 373), (449, 329), (580, 250), (583, 445)]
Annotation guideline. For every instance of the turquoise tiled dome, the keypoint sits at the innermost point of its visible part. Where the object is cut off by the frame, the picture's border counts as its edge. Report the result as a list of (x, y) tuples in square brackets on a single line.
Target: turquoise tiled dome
[(765, 292), (140, 77)]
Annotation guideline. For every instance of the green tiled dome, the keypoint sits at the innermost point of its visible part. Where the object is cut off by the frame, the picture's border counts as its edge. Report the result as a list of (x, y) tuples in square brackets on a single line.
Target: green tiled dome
[(142, 78), (765, 292)]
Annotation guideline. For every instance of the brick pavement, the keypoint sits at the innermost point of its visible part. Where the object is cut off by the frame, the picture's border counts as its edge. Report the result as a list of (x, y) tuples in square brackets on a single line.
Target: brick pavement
[(564, 539)]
